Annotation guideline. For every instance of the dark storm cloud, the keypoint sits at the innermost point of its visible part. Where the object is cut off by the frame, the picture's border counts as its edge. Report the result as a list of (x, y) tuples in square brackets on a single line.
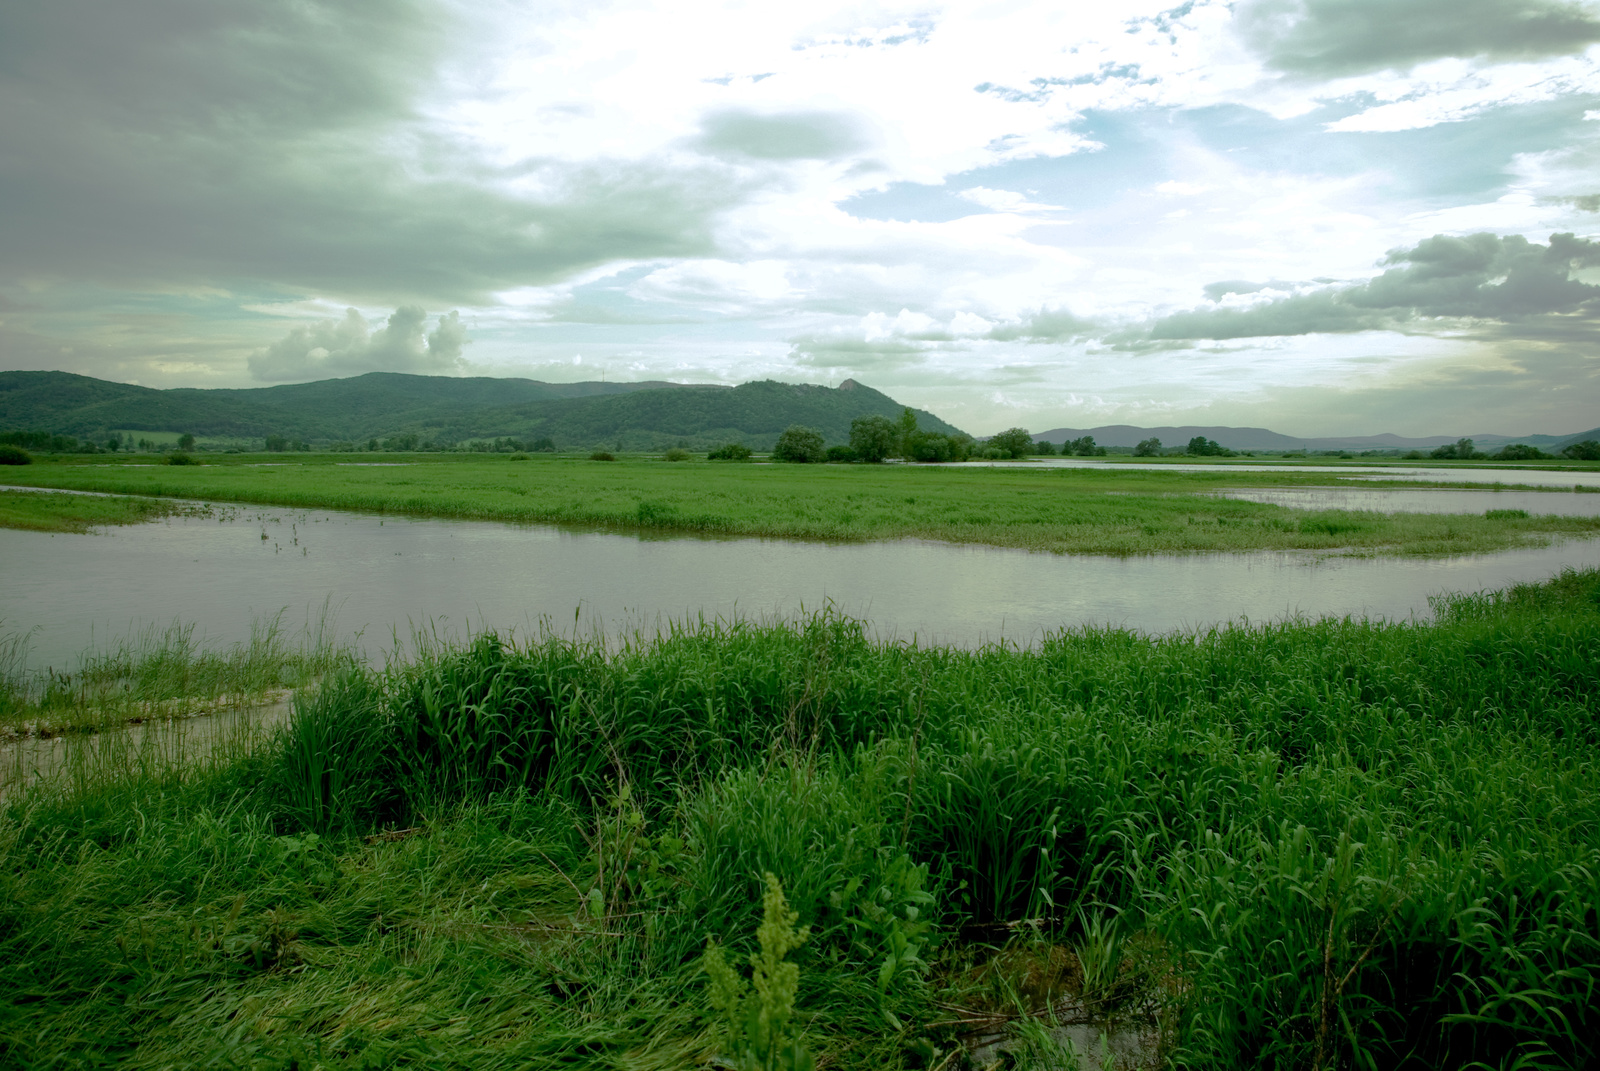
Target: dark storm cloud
[(1523, 285), (174, 142), (789, 136), (1340, 37)]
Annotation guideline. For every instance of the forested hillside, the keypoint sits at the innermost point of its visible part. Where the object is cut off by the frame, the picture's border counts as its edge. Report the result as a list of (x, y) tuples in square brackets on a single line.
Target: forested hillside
[(444, 410)]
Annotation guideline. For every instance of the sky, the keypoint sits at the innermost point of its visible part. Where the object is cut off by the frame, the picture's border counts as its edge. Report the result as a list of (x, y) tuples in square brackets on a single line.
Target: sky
[(1326, 217)]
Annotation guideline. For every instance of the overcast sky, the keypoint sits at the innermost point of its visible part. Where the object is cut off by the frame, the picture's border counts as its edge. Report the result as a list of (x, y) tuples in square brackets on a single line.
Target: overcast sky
[(1319, 216)]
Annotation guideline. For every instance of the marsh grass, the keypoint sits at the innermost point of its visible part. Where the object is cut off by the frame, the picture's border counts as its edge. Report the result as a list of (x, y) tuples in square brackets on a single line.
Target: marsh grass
[(161, 674), (1304, 844), (1065, 511), (54, 512)]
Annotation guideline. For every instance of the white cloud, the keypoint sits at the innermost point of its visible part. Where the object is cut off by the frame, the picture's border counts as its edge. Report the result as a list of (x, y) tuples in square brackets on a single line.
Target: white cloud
[(333, 348)]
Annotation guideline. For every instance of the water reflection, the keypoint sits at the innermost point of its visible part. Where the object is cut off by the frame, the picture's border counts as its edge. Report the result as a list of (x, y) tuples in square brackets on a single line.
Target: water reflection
[(1420, 500), (386, 574), (1566, 479)]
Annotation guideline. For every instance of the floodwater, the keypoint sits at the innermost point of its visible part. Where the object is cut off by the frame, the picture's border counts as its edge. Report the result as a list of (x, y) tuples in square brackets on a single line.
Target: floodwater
[(385, 576), (1565, 479), (152, 747), (1420, 500)]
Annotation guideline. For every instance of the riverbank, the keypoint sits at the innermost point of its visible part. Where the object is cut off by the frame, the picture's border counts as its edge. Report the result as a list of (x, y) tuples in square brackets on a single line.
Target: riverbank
[(47, 512), (1335, 841), (1100, 511)]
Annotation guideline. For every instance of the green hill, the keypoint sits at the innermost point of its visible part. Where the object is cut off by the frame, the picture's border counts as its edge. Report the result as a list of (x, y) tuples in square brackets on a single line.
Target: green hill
[(447, 410)]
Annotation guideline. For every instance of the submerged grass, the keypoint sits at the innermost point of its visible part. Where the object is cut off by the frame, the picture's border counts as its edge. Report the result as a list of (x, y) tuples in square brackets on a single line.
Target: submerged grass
[(1307, 844), (1067, 511), (161, 674)]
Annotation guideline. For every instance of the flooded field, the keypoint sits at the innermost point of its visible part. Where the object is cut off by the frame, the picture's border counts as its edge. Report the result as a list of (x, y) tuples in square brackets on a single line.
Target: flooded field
[(385, 576), (1421, 500)]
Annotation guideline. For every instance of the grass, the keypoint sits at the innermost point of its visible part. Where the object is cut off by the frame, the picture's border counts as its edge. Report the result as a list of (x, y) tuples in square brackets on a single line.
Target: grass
[(1065, 511), (1306, 844), (49, 512), (159, 674)]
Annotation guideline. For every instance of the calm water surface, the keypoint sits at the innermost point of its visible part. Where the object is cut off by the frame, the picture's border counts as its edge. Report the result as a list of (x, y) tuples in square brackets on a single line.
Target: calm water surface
[(1421, 500), (1566, 479), (383, 576)]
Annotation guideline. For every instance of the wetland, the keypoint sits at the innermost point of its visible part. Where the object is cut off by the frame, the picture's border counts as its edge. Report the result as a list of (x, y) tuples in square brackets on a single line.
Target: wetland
[(1278, 798)]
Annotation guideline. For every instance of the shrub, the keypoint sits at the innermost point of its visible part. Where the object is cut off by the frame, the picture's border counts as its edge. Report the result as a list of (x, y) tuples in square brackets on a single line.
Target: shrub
[(800, 445), (730, 452), (15, 455), (841, 453), (182, 459), (543, 445), (677, 453), (519, 456), (602, 455)]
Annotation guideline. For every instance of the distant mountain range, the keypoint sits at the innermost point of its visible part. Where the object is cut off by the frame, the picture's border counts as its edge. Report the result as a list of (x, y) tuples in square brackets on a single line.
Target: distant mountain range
[(1262, 439), (444, 409)]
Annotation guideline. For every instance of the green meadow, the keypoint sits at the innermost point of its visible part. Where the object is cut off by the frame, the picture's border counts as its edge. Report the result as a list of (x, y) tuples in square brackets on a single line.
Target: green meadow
[(1310, 844), (1106, 510)]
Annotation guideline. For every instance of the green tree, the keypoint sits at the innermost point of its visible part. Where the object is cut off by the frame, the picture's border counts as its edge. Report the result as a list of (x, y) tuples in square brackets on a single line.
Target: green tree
[(800, 444), (1520, 452), (907, 431), (874, 438), (1460, 450), (1200, 446), (186, 442), (1013, 442), (277, 444), (930, 446), (730, 452), (1148, 448), (1045, 448), (1588, 450)]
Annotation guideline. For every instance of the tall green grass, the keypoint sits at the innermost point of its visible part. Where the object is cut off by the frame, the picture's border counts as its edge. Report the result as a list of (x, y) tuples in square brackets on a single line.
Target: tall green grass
[(1335, 843)]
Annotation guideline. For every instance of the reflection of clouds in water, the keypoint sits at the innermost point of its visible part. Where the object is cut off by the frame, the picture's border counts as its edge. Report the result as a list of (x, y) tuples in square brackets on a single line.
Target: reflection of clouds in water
[(1565, 504), (389, 578)]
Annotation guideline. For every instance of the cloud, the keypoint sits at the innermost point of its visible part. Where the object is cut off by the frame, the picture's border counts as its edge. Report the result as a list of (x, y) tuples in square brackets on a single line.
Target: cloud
[(1043, 325), (334, 348), (1479, 277), (836, 351), (737, 132), (1341, 37), (251, 144), (1003, 200)]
